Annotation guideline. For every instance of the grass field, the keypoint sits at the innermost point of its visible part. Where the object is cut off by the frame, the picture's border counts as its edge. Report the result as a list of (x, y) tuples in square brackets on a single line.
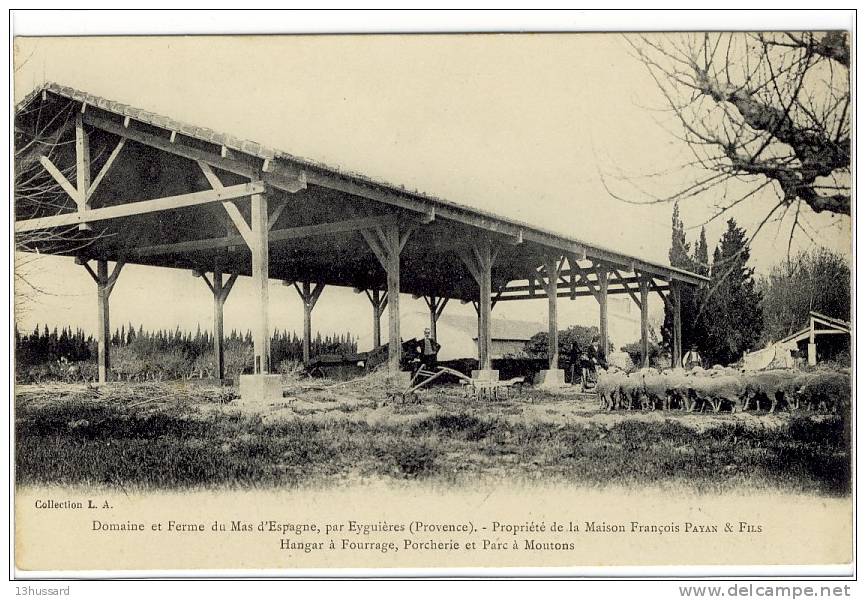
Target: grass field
[(169, 436)]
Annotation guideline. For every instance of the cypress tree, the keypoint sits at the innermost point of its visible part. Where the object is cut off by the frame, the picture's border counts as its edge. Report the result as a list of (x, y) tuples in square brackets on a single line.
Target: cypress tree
[(732, 309)]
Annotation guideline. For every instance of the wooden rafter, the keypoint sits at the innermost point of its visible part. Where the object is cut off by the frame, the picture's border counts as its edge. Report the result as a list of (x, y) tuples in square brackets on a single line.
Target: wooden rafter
[(231, 208), (104, 170), (289, 182), (619, 277), (657, 289), (275, 235), (178, 149), (58, 176), (275, 214), (143, 207)]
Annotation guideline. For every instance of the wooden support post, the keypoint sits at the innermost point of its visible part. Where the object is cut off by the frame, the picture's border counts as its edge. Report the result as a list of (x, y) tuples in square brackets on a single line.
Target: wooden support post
[(677, 354), (392, 269), (379, 301), (377, 320), (309, 297), (220, 290), (644, 323), (218, 339), (82, 168), (477, 308), (552, 326), (104, 285), (308, 322), (103, 324), (479, 261), (485, 264), (259, 250), (602, 311), (431, 303), (386, 242)]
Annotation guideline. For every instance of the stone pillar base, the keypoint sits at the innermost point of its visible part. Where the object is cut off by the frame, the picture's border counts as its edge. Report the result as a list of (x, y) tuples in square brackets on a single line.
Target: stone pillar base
[(485, 374), (813, 354), (550, 378), (261, 389)]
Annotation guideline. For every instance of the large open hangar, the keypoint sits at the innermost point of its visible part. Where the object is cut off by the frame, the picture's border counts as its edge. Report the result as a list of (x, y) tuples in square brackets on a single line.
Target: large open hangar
[(110, 183)]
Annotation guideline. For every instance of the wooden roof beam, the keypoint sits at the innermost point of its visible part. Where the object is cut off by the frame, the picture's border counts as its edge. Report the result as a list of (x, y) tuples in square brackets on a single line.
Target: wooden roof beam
[(582, 282), (288, 173), (143, 207), (621, 280), (177, 148), (565, 294), (275, 235), (299, 175)]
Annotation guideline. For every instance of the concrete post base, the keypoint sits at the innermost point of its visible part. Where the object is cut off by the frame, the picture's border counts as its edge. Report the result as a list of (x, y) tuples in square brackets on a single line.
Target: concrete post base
[(485, 374), (261, 389), (550, 378)]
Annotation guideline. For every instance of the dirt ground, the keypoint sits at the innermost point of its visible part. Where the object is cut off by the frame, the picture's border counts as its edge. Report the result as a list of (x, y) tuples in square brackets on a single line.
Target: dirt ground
[(318, 400), (190, 434)]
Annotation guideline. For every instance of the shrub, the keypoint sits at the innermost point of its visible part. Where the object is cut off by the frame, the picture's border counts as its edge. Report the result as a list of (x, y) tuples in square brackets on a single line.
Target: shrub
[(466, 426), (409, 459)]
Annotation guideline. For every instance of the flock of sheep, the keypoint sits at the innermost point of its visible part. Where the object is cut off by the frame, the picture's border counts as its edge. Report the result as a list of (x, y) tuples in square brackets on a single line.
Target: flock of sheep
[(724, 388)]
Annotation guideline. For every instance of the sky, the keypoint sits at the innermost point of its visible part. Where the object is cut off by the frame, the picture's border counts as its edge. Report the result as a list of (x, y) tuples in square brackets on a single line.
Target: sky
[(520, 125)]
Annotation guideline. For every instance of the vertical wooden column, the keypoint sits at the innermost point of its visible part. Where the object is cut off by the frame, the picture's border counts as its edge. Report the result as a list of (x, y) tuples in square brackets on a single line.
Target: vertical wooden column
[(377, 327), (479, 261), (677, 354), (602, 311), (379, 301), (485, 260), (104, 286), (103, 323), (82, 168), (436, 306), (309, 297), (395, 342), (387, 242), (377, 319), (259, 250), (220, 290), (308, 323), (477, 308), (218, 337), (644, 322), (552, 325)]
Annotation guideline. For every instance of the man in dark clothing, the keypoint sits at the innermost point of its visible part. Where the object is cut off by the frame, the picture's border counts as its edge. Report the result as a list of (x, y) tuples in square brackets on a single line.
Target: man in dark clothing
[(596, 355), (574, 362), (428, 349)]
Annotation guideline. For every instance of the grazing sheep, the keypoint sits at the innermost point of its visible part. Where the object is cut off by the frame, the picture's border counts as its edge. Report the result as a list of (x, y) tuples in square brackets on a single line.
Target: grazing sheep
[(723, 388), (769, 385), (679, 384), (720, 390), (608, 387), (826, 392)]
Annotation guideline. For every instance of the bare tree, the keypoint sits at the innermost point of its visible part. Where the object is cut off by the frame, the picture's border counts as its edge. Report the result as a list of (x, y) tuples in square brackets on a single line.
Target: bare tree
[(40, 135), (757, 110)]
